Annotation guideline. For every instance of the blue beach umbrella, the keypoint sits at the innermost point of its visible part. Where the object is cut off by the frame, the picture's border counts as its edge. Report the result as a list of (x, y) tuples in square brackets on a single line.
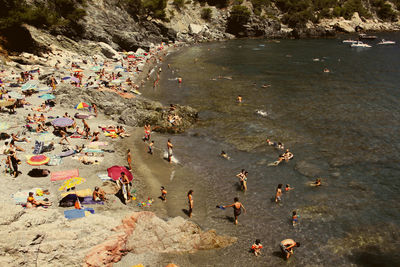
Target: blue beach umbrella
[(47, 96), (65, 78)]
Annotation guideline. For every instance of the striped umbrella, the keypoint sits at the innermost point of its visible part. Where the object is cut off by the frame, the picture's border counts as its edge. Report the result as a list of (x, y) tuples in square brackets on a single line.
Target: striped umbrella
[(82, 105), (71, 183), (6, 103), (38, 160)]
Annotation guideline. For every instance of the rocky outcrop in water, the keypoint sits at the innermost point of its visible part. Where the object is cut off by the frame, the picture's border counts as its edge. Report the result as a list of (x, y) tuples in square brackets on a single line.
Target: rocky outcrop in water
[(133, 112), (145, 233)]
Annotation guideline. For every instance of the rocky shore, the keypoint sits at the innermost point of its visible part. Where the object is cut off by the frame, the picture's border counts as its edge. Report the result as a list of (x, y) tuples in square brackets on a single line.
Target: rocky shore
[(44, 237)]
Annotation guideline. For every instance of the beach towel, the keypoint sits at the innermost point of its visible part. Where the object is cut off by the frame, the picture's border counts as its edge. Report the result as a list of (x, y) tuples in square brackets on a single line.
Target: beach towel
[(20, 197), (80, 193), (97, 144), (67, 153), (64, 175), (54, 161), (90, 201), (92, 150), (38, 147), (76, 214), (104, 177)]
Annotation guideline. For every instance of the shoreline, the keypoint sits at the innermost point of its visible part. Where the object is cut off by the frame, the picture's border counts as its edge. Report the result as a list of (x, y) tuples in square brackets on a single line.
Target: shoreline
[(145, 182)]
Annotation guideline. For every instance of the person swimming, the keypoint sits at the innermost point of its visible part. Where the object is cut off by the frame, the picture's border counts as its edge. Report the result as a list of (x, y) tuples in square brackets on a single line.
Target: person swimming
[(224, 155)]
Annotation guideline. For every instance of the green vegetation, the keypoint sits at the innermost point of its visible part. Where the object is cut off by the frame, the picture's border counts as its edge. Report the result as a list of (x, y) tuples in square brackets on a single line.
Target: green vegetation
[(179, 4), (259, 4), (384, 10), (206, 14), (54, 14), (239, 16)]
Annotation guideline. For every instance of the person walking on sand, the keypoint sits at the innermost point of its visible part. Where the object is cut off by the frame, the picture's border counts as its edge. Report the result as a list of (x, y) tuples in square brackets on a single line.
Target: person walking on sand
[(163, 194), (237, 208), (169, 148), (287, 246), (190, 200), (94, 106), (129, 159)]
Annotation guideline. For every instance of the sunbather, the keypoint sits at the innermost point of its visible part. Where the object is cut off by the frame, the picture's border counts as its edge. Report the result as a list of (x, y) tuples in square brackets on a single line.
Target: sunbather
[(31, 202), (99, 194)]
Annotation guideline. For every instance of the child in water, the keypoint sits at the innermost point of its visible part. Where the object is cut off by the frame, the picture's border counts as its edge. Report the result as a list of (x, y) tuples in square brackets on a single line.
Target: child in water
[(295, 218), (256, 247), (288, 188)]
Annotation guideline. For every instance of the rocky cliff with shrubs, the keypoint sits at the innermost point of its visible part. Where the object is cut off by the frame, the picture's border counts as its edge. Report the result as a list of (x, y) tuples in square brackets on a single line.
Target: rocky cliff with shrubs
[(130, 24)]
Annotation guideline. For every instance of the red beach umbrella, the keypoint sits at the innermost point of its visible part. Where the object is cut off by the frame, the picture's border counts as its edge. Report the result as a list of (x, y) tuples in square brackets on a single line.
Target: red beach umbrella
[(38, 160), (114, 172)]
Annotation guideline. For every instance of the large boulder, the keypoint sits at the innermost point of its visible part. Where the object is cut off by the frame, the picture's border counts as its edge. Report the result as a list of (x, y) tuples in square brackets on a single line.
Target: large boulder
[(195, 28), (108, 51)]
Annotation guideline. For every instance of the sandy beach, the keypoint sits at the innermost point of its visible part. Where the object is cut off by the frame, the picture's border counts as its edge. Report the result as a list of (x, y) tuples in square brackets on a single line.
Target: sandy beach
[(48, 234)]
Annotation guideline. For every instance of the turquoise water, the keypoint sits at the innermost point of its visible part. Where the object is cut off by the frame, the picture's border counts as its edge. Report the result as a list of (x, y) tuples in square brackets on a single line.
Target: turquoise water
[(342, 126)]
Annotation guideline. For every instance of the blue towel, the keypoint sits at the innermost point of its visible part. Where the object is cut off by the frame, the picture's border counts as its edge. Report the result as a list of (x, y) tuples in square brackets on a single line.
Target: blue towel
[(76, 214), (90, 201)]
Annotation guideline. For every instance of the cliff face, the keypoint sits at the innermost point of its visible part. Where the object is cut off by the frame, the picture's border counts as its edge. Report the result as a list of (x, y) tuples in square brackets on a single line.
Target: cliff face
[(113, 23)]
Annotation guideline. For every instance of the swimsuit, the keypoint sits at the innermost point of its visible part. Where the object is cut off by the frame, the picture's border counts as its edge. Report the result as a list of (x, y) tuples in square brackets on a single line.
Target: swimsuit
[(236, 211), (284, 249)]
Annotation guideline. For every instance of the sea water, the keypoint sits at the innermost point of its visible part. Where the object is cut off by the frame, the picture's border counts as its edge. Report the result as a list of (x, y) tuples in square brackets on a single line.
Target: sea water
[(342, 126)]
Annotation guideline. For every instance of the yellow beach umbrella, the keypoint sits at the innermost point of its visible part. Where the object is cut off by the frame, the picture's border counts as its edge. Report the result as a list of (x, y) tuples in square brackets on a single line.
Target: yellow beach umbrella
[(71, 183)]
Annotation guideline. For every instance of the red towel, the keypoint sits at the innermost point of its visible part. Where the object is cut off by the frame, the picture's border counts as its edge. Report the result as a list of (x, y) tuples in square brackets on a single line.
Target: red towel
[(64, 175)]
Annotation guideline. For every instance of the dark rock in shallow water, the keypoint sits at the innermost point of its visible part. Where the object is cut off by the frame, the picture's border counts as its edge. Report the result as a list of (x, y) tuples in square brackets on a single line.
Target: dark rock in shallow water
[(133, 112)]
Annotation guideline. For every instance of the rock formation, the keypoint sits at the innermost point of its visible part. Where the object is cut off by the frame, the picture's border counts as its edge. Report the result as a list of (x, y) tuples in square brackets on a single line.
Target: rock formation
[(133, 112), (143, 232)]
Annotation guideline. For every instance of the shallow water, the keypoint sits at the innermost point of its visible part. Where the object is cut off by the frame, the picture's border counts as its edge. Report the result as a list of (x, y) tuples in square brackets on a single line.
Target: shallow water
[(342, 126)]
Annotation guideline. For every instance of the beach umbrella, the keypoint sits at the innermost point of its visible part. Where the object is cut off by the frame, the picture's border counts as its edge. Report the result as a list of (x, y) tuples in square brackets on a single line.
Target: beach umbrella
[(77, 70), (66, 78), (71, 183), (131, 56), (82, 105), (117, 81), (38, 160), (47, 96), (4, 126), (62, 122), (6, 103), (114, 172)]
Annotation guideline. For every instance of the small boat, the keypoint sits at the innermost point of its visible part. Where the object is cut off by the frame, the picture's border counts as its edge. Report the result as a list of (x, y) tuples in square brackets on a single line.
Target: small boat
[(349, 41), (384, 42), (364, 36), (360, 44)]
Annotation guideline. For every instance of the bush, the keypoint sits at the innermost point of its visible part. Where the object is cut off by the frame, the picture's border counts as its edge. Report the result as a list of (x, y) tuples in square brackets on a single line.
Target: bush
[(298, 19), (179, 4), (386, 13), (239, 16), (352, 6), (155, 8), (218, 3), (206, 14), (259, 4)]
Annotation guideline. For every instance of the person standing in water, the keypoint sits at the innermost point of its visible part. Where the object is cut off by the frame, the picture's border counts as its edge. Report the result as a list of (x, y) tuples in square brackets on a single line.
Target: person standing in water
[(163, 193), (287, 246), (190, 200), (150, 147), (237, 208), (278, 193), (129, 159), (169, 148)]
